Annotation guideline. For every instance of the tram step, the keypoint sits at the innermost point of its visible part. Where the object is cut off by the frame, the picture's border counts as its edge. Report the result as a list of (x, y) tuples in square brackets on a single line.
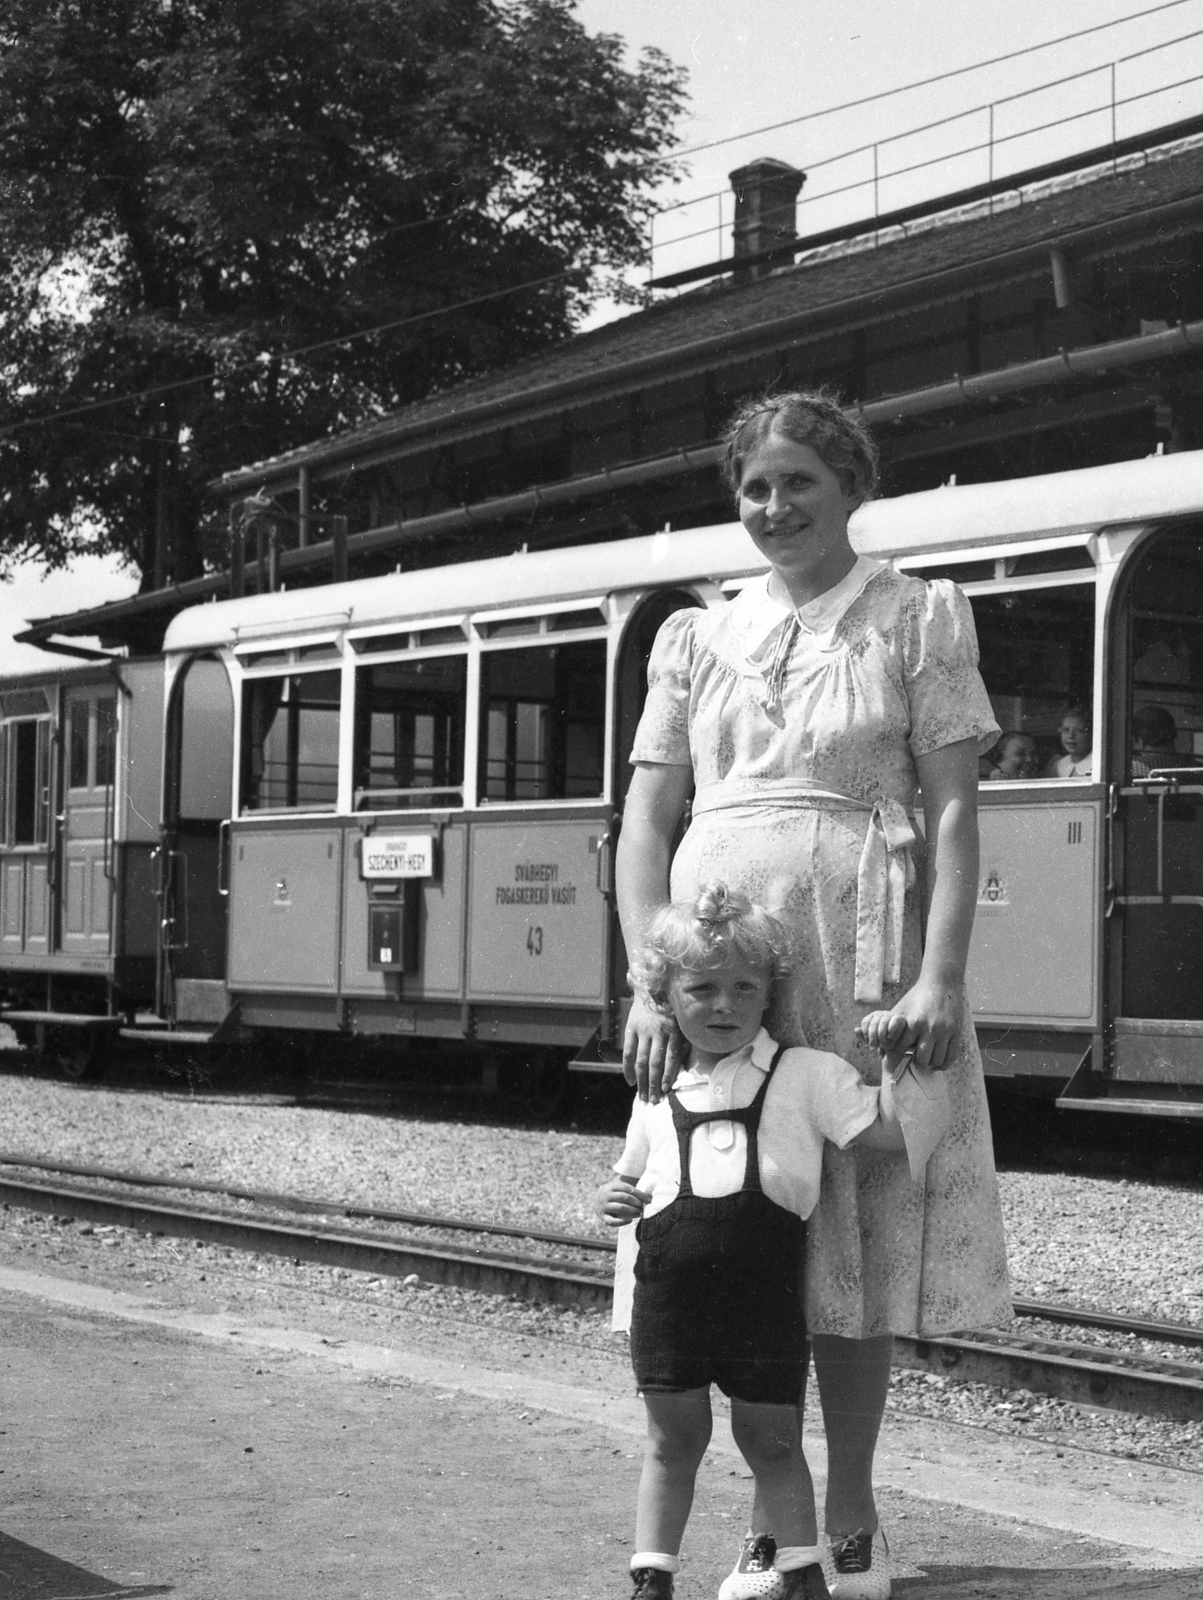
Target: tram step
[(61, 1019), (182, 1036), (1133, 1107)]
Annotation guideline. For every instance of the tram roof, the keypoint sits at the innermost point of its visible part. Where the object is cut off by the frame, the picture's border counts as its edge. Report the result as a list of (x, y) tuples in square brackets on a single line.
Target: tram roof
[(933, 521)]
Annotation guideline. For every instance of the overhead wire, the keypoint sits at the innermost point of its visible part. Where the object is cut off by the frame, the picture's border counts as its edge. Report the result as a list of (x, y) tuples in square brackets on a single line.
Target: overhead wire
[(152, 391), (960, 116), (924, 83)]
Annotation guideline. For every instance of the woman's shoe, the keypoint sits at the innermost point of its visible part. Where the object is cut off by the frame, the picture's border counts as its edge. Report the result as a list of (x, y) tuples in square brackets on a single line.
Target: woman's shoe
[(858, 1567), (651, 1583), (754, 1577)]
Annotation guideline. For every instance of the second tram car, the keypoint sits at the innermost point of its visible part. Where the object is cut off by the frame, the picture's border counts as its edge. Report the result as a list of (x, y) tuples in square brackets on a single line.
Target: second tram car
[(387, 808)]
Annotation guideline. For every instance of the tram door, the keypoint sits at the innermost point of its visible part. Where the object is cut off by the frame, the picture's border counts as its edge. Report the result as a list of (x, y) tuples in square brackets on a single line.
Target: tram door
[(1156, 923), (85, 880), (200, 766), (27, 833), (630, 692)]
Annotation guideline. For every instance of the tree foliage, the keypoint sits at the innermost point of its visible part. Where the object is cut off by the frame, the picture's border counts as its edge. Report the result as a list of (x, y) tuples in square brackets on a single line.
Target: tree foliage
[(199, 189)]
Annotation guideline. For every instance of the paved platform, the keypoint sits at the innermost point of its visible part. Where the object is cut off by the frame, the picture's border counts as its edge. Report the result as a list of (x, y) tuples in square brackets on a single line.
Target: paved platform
[(156, 1451)]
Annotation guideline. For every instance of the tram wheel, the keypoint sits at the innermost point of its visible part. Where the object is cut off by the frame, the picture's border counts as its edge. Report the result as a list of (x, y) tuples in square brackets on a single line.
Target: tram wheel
[(78, 1054)]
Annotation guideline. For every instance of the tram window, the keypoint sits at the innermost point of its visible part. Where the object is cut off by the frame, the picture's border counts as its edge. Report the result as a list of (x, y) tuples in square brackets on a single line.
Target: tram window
[(202, 737), (91, 742), (27, 788), (1037, 655), (1167, 654), (409, 733), (106, 741), (290, 742), (543, 715), (77, 744)]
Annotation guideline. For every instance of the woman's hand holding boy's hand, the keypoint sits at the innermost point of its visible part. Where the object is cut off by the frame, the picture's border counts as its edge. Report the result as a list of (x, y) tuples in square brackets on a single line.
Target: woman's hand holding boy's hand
[(619, 1202), (927, 1021)]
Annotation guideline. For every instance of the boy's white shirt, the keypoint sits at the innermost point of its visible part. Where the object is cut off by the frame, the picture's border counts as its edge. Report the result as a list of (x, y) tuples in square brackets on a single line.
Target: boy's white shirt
[(814, 1096)]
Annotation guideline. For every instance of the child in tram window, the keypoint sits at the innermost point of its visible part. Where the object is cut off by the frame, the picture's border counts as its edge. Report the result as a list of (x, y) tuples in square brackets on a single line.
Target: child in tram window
[(1077, 742), (720, 1175), (1014, 758)]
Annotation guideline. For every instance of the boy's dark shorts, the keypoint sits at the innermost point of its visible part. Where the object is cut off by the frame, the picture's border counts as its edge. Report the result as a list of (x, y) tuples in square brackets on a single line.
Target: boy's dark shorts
[(743, 1331)]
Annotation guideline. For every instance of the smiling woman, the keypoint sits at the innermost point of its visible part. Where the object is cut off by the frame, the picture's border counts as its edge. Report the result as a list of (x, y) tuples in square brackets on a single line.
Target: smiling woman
[(806, 716), (798, 472)]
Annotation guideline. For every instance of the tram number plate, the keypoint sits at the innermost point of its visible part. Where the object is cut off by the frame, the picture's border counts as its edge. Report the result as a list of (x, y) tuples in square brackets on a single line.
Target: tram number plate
[(394, 855)]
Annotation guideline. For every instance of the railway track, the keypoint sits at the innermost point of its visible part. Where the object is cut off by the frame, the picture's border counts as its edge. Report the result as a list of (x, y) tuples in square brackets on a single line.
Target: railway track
[(567, 1269)]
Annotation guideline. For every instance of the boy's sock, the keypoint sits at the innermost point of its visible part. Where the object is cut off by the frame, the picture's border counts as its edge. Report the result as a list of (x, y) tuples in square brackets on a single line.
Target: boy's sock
[(657, 1559), (792, 1556)]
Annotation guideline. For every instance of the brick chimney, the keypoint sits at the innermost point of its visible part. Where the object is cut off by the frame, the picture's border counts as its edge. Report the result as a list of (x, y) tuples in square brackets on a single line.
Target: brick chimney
[(766, 210)]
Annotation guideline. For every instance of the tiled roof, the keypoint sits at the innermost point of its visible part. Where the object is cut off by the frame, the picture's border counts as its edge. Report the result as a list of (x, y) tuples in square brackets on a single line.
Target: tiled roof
[(814, 286)]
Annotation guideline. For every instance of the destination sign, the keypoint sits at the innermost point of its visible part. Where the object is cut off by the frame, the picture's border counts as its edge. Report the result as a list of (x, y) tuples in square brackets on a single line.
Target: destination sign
[(397, 855)]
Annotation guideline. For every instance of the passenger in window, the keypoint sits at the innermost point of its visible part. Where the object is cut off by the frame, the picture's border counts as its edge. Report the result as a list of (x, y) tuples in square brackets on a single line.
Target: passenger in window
[(1155, 742), (1014, 758), (1077, 741)]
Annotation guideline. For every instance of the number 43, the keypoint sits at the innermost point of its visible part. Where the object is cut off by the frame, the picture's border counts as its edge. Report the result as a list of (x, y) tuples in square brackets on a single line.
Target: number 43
[(534, 941)]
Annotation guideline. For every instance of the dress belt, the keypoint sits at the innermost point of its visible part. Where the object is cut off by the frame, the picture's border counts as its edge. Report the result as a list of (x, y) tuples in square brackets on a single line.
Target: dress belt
[(885, 872)]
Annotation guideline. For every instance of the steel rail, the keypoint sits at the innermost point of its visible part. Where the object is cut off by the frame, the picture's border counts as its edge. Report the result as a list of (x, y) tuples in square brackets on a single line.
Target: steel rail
[(293, 1202), (530, 1277), (1042, 1310), (1080, 1374), (1091, 1375)]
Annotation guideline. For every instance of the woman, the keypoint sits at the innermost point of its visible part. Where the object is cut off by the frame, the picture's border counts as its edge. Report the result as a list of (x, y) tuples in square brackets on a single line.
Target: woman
[(804, 715)]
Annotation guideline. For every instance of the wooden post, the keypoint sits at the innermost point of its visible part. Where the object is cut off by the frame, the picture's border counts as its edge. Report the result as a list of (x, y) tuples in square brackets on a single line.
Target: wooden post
[(273, 556), (338, 539), (237, 552), (303, 506)]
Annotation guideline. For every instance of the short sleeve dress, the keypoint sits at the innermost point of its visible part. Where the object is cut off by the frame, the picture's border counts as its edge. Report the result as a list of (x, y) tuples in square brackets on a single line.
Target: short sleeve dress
[(802, 728)]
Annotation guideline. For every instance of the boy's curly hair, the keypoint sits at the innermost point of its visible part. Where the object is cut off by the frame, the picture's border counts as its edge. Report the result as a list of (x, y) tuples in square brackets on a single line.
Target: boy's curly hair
[(706, 932)]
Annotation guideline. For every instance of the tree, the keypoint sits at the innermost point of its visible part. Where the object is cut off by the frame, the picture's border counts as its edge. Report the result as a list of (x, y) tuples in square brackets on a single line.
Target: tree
[(199, 189)]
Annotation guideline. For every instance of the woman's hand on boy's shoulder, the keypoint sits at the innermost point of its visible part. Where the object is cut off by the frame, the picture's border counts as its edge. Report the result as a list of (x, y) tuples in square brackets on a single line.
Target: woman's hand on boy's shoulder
[(619, 1202), (653, 1050)]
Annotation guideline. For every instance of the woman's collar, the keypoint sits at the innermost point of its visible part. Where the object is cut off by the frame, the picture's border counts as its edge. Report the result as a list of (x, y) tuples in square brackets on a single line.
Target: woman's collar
[(756, 613)]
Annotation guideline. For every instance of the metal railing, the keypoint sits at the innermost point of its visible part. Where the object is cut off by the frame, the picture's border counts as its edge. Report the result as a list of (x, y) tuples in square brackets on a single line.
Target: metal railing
[(988, 142)]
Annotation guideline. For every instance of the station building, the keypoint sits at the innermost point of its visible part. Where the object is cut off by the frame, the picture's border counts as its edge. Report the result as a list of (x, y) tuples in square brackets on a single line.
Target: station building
[(1048, 320)]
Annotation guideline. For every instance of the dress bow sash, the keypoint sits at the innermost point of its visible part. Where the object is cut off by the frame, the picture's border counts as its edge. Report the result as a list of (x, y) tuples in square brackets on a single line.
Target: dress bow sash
[(885, 873)]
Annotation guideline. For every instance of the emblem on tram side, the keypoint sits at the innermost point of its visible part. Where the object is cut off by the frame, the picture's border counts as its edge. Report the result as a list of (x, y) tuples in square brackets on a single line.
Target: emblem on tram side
[(993, 891)]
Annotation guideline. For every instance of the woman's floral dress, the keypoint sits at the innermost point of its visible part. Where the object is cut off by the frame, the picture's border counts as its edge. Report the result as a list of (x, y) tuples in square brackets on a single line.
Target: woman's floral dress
[(801, 729)]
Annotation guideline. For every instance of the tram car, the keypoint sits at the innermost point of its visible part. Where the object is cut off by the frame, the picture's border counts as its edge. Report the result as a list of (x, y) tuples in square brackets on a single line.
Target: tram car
[(387, 809)]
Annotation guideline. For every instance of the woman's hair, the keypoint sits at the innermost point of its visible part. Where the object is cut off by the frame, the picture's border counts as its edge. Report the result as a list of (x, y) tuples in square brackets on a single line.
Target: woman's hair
[(715, 928), (814, 417)]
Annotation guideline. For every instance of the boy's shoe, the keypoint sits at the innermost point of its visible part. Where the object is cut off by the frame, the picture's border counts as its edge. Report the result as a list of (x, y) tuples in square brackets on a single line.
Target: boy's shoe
[(652, 1583), (859, 1567), (804, 1583), (754, 1576)]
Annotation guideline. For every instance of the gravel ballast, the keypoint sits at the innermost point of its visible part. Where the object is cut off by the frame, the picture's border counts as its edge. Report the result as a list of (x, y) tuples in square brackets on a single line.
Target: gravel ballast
[(1108, 1244), (1103, 1243)]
